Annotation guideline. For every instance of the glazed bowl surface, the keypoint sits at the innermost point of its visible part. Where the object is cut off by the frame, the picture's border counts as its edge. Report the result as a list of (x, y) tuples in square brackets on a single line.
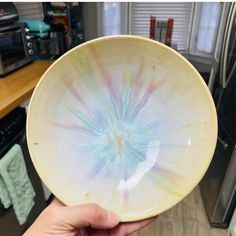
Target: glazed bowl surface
[(122, 121)]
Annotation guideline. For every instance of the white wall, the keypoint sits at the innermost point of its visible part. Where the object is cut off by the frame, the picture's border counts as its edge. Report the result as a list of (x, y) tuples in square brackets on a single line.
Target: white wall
[(30, 10), (90, 20)]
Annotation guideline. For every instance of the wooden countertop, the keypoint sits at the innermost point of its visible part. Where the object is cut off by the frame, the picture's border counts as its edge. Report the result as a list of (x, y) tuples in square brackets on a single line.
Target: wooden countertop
[(19, 85)]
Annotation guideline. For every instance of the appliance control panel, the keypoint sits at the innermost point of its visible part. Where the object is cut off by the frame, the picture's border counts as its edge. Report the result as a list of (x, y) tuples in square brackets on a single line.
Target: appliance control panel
[(29, 42), (11, 126)]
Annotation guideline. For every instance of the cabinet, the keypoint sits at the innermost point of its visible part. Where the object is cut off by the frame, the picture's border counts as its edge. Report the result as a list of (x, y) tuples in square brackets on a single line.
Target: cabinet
[(70, 15)]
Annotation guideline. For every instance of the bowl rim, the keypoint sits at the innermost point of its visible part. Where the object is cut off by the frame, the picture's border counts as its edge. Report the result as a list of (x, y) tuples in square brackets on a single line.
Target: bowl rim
[(154, 211)]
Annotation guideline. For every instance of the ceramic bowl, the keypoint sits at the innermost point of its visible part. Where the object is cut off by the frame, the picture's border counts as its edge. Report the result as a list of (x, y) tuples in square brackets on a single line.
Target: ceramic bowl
[(122, 121)]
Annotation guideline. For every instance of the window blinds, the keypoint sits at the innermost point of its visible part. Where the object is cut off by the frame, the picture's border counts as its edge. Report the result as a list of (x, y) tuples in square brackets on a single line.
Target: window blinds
[(30, 10), (139, 18)]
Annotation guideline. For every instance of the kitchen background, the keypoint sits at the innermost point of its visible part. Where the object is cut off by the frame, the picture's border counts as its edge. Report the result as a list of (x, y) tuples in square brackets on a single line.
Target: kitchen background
[(33, 34)]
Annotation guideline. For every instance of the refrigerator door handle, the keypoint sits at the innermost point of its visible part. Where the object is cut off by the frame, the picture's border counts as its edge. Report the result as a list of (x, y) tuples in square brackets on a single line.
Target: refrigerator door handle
[(231, 73), (223, 143), (226, 39), (222, 58)]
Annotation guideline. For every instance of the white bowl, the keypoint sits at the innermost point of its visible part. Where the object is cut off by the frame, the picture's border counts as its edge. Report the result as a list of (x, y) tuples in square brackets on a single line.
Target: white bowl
[(122, 121)]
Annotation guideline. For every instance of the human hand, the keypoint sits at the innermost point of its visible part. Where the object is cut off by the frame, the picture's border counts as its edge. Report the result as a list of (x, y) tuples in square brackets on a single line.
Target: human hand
[(82, 220)]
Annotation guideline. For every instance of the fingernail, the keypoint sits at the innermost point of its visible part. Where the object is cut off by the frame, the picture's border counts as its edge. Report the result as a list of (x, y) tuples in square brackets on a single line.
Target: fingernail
[(112, 219)]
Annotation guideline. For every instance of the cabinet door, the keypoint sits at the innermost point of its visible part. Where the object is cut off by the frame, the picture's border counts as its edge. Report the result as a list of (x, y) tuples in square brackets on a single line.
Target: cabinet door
[(8, 222)]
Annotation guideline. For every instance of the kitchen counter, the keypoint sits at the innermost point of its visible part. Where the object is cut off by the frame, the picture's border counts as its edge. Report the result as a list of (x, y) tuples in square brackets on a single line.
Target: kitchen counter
[(19, 85)]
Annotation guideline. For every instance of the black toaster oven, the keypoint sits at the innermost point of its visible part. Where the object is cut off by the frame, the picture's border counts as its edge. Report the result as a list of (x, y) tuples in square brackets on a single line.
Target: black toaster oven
[(15, 47)]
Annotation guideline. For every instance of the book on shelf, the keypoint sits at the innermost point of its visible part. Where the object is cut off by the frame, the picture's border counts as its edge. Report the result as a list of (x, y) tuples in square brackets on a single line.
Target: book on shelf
[(161, 30), (169, 31), (158, 31), (152, 27)]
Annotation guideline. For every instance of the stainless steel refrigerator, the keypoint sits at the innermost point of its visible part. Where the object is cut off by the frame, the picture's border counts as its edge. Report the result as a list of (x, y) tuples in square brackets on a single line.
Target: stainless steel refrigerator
[(218, 187)]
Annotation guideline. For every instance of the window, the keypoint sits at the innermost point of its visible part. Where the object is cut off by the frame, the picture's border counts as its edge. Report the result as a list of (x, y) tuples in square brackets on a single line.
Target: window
[(111, 18), (208, 26), (140, 13), (195, 24)]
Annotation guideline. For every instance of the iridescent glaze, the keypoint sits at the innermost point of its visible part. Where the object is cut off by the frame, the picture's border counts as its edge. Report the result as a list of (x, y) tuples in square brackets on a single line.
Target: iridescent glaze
[(124, 122)]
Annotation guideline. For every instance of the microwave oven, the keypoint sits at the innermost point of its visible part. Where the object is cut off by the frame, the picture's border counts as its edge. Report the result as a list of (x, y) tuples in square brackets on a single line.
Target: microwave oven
[(15, 47)]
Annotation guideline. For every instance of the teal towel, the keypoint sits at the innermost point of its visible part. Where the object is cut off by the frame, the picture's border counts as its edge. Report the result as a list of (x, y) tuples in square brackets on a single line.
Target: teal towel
[(15, 184), (4, 194)]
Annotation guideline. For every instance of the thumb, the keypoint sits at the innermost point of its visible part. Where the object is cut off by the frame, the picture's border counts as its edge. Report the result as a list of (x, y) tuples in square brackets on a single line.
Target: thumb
[(88, 215)]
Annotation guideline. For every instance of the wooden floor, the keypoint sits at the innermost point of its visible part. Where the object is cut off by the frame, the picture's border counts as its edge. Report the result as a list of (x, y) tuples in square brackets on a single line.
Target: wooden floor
[(188, 218)]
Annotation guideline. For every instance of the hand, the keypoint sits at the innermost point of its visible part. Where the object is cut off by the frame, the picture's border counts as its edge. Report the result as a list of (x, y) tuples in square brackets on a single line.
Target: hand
[(81, 220)]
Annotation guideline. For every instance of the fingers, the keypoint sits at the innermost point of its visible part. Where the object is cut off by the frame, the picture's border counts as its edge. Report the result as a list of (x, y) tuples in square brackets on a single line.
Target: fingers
[(129, 228), (96, 218), (89, 215)]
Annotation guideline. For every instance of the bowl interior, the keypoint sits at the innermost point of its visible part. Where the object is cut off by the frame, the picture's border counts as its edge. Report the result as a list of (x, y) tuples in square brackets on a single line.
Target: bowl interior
[(124, 122)]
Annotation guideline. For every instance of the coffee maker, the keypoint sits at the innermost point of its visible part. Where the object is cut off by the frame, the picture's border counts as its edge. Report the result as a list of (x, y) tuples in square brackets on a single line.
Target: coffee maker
[(57, 35)]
